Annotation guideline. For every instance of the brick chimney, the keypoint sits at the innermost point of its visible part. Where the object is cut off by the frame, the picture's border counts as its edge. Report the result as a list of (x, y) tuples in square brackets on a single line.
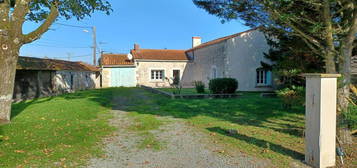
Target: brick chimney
[(196, 41), (136, 46)]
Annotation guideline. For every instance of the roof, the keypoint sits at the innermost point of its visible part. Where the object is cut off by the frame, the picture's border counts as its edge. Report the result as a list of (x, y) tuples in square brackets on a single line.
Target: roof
[(157, 54), (354, 64), (216, 41), (116, 59), (30, 63)]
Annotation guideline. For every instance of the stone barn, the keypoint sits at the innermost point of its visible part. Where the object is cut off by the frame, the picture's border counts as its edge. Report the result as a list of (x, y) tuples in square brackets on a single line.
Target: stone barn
[(37, 77)]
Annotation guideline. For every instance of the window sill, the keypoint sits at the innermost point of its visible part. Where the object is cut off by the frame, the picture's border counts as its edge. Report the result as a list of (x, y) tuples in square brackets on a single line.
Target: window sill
[(264, 86), (157, 81)]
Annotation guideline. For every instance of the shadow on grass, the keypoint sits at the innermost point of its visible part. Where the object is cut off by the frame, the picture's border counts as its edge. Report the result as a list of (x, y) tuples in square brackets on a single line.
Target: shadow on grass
[(249, 110), (100, 96), (259, 142)]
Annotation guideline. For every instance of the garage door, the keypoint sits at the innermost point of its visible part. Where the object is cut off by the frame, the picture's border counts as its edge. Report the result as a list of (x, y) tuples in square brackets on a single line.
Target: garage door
[(123, 77)]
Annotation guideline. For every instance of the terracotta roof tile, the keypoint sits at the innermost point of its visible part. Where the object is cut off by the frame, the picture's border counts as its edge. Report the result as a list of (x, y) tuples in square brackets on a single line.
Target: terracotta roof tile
[(156, 54), (30, 63), (116, 59), (216, 41)]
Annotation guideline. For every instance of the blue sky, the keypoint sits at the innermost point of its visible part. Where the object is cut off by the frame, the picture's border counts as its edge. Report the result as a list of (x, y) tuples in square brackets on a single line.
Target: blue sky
[(154, 24)]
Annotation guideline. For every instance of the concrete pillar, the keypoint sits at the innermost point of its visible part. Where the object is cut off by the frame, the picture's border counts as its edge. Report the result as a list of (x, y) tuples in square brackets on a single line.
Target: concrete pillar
[(320, 133)]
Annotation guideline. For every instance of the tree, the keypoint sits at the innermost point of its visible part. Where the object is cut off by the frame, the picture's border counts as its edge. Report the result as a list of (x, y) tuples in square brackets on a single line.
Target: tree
[(13, 14), (291, 57), (328, 27)]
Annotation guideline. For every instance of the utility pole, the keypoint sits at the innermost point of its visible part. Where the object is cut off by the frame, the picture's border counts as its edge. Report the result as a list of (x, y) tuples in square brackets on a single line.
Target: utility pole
[(94, 30), (69, 56)]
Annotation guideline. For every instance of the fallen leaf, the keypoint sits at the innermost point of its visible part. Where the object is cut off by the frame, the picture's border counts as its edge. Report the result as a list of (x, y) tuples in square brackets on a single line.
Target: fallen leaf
[(19, 151)]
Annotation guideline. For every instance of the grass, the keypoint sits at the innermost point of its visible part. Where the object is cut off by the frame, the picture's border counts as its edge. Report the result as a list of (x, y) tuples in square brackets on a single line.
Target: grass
[(263, 128), (184, 90), (61, 131), (144, 123)]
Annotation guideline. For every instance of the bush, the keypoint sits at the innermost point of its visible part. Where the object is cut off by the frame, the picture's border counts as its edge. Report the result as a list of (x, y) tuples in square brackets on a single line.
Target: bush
[(200, 86), (223, 85), (292, 96), (350, 117)]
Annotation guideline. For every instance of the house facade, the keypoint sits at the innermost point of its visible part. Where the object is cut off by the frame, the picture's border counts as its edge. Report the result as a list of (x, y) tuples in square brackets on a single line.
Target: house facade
[(236, 56), (158, 68), (37, 77)]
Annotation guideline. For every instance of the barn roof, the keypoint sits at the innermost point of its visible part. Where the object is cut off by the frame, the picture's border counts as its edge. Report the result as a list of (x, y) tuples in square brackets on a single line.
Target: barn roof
[(116, 59), (31, 63)]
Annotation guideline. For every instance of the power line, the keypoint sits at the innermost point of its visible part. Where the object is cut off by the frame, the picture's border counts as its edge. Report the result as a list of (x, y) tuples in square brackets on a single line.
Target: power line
[(68, 25)]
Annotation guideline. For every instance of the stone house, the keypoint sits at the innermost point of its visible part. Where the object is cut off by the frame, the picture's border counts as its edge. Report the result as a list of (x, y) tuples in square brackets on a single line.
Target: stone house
[(157, 68), (237, 56), (149, 67), (36, 77)]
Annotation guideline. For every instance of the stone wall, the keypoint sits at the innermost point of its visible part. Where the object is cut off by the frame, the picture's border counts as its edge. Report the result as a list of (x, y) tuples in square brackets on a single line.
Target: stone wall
[(106, 77), (31, 84), (143, 71)]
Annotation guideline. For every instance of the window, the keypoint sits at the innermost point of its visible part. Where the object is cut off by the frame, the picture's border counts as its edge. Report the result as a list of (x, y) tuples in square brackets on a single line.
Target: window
[(263, 77), (214, 73), (157, 75)]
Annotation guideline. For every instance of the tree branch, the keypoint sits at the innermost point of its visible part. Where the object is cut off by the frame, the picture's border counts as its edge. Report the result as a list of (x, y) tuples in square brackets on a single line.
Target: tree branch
[(4, 14), (36, 34)]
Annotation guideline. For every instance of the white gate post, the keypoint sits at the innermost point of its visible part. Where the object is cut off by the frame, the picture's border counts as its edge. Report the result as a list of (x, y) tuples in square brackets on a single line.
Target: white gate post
[(320, 133)]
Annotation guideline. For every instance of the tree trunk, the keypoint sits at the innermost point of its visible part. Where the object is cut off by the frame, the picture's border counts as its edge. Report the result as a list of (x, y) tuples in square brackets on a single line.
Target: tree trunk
[(344, 91), (8, 61)]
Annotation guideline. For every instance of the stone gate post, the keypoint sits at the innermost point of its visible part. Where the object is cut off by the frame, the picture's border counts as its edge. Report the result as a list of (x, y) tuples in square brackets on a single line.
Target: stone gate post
[(320, 131)]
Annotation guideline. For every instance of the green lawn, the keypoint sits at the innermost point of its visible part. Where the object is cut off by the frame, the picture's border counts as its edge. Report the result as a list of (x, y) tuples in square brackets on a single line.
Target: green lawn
[(62, 131), (183, 90), (263, 128)]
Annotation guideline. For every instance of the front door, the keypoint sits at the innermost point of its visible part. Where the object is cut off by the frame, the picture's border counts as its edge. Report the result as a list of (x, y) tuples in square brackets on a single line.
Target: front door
[(176, 74)]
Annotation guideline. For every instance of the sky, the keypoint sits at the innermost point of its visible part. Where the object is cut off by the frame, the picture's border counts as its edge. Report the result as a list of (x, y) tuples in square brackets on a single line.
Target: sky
[(156, 24)]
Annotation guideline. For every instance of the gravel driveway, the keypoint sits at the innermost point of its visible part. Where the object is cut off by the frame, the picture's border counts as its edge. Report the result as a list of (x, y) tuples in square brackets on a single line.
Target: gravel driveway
[(185, 147)]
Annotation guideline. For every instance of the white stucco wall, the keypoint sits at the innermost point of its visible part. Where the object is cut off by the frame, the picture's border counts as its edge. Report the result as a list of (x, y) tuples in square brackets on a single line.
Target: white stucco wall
[(244, 55), (143, 71), (205, 59), (237, 57)]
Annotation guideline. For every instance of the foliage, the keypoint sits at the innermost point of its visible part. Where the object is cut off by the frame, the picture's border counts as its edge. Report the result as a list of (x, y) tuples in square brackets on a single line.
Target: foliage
[(291, 57), (292, 96), (66, 129), (350, 117), (328, 28), (175, 85), (199, 86), (223, 85)]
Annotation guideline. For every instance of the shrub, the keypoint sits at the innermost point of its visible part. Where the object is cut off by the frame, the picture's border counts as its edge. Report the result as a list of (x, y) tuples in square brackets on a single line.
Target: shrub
[(200, 86), (292, 96), (223, 85)]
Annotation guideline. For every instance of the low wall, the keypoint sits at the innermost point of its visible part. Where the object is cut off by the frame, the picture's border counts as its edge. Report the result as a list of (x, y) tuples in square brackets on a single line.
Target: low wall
[(189, 96)]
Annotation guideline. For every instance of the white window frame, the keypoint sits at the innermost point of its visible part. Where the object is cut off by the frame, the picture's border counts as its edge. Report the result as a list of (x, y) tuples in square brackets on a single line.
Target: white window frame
[(261, 78), (155, 75), (214, 73)]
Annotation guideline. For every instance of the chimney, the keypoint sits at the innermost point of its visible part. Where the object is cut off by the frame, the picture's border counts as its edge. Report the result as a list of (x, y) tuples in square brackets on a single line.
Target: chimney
[(136, 46), (196, 41)]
